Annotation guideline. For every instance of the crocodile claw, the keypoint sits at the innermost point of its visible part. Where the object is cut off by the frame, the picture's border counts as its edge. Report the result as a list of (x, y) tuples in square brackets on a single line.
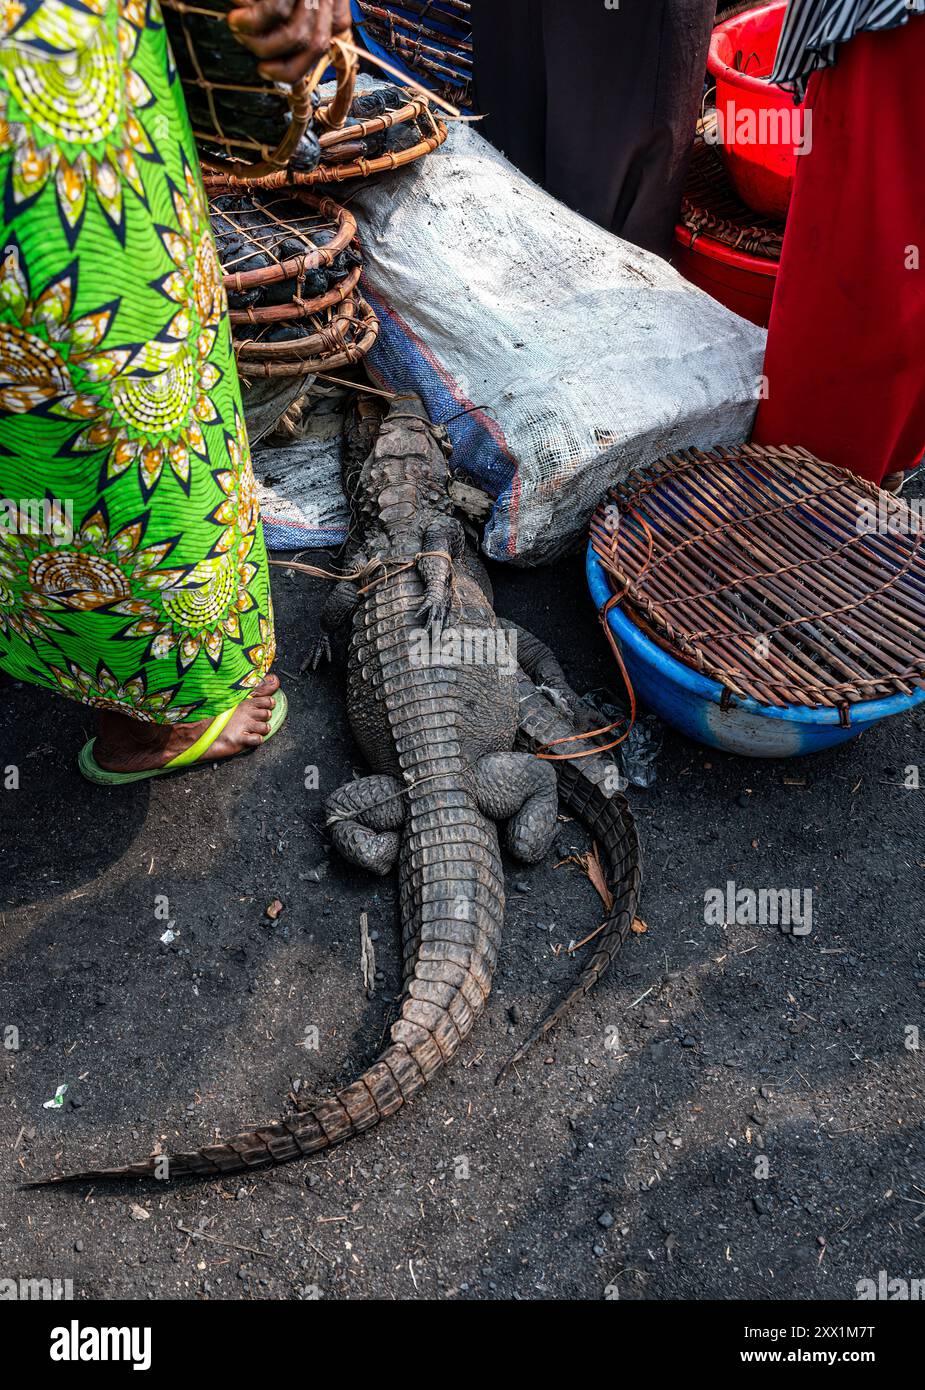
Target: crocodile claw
[(433, 614), (320, 652)]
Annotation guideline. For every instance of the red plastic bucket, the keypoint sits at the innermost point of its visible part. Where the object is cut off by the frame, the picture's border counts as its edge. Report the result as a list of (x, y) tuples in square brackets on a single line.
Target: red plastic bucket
[(743, 282), (759, 125)]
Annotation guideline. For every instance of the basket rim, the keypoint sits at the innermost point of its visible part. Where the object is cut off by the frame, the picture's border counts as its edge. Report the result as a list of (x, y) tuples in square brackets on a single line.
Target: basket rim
[(705, 687), (725, 560)]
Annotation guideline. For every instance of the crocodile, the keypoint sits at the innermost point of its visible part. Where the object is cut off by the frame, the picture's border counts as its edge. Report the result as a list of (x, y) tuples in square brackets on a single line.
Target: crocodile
[(453, 736)]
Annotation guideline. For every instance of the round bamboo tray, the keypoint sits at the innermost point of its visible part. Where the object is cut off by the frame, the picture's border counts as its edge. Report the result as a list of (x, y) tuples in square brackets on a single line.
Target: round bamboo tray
[(711, 207), (786, 580)]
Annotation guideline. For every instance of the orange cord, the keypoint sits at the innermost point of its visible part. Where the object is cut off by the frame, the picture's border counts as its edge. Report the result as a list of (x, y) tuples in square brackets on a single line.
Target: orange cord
[(618, 656), (596, 733)]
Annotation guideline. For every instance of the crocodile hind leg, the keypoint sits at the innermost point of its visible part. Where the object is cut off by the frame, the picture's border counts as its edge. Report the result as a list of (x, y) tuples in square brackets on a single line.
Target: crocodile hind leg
[(519, 788), (544, 670), (364, 818)]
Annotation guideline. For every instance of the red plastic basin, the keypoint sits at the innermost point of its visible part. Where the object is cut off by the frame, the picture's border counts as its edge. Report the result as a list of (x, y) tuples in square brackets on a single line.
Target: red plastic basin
[(743, 282), (759, 125)]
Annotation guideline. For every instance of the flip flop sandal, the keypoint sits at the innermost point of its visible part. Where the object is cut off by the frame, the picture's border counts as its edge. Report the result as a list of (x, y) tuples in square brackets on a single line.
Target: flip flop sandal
[(194, 756)]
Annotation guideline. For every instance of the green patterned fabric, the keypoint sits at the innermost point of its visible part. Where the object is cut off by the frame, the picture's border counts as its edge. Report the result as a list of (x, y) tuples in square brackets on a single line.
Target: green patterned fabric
[(133, 573)]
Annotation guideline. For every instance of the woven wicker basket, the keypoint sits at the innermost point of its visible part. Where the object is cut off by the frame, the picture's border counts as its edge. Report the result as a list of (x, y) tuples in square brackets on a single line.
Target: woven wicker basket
[(280, 327), (432, 39), (252, 125), (339, 337), (710, 206), (783, 578)]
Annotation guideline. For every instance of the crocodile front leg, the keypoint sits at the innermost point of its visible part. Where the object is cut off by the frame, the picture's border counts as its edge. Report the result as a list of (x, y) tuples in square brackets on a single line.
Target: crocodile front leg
[(364, 818), (519, 788), (339, 608), (444, 541)]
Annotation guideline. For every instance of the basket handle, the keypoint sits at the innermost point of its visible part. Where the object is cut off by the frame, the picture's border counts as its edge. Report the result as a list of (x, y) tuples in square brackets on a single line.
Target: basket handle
[(332, 116), (346, 67)]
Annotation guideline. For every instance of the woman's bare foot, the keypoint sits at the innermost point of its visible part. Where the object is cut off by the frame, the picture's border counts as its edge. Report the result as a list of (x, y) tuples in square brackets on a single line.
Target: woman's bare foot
[(893, 483), (128, 745)]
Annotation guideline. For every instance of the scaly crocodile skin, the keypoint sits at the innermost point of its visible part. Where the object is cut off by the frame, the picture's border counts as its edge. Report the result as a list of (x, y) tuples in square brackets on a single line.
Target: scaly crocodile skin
[(440, 737)]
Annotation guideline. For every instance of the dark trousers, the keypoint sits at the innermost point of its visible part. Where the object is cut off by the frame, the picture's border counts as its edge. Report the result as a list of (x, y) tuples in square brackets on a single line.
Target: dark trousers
[(597, 104)]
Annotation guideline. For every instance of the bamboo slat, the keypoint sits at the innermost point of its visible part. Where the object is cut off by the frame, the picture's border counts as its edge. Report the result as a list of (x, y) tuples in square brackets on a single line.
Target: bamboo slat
[(779, 576)]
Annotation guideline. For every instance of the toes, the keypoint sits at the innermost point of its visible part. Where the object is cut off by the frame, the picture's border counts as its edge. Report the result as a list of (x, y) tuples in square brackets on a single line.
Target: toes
[(268, 686)]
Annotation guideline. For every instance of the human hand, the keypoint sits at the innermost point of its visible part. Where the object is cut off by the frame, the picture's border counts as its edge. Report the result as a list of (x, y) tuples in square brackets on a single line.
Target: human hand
[(289, 36)]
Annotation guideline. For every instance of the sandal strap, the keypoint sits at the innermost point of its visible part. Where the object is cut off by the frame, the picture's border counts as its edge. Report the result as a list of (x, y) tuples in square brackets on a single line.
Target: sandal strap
[(204, 742)]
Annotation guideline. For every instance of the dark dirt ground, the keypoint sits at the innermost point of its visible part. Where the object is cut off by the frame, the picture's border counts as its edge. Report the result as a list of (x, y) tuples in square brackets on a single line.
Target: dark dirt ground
[(631, 1170)]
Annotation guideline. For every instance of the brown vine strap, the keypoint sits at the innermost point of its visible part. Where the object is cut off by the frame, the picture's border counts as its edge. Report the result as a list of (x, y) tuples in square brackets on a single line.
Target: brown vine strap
[(782, 577)]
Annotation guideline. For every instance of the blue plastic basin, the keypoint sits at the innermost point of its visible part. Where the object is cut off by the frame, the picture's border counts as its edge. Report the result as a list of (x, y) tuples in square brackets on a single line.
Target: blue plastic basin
[(691, 702)]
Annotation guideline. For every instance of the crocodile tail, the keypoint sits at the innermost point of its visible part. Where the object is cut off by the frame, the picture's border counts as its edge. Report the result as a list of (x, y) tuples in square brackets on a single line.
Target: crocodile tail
[(586, 787), (379, 1092), (452, 898)]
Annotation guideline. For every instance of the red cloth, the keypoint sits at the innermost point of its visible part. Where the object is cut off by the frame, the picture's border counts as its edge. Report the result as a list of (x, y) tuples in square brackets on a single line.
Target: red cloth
[(845, 361)]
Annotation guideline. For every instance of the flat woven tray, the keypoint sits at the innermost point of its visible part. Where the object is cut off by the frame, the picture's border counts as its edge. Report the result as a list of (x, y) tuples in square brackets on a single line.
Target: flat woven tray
[(711, 207), (431, 38), (781, 577)]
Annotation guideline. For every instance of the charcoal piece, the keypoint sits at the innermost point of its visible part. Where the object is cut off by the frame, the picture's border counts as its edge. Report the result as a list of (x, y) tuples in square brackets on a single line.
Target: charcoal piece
[(402, 137), (286, 333), (393, 96), (375, 144), (245, 299), (307, 153), (344, 263), (315, 284), (367, 106)]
